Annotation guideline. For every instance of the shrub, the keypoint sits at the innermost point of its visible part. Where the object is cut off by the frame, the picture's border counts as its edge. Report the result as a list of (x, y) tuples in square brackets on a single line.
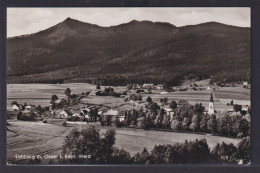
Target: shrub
[(73, 118), (64, 123)]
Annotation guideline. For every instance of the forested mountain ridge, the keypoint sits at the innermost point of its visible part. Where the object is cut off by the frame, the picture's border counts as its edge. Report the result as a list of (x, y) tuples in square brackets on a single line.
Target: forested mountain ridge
[(134, 52)]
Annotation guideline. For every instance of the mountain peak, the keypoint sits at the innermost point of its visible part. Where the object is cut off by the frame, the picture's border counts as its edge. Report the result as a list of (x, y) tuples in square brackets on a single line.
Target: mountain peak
[(68, 19)]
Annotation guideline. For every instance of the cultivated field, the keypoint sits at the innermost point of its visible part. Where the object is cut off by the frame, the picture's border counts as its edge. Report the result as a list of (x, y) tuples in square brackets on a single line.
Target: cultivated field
[(40, 94), (37, 138)]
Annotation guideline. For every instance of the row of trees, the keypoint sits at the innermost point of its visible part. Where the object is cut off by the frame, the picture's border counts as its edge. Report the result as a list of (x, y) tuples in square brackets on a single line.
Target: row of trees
[(100, 149), (184, 118)]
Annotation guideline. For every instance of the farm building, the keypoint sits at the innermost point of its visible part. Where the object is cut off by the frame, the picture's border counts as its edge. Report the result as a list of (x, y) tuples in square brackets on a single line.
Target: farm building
[(15, 107), (111, 113), (93, 93), (110, 117), (64, 114), (84, 113), (245, 83), (159, 87), (148, 85), (28, 107), (121, 118), (12, 114), (164, 92)]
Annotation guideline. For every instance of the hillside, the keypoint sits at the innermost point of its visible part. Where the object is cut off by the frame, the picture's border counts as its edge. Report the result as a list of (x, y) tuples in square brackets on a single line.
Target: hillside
[(135, 52)]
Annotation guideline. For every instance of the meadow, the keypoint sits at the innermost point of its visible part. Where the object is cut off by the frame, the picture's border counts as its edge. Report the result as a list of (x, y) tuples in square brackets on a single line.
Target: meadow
[(37, 138), (40, 94)]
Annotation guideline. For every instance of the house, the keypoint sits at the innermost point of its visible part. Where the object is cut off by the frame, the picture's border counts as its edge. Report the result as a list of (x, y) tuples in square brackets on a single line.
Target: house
[(121, 118), (169, 111), (148, 85), (12, 114), (15, 107), (84, 113), (230, 110), (76, 114), (122, 96), (111, 113), (245, 83), (64, 114), (100, 113), (183, 102), (164, 92), (93, 93), (159, 87), (28, 107)]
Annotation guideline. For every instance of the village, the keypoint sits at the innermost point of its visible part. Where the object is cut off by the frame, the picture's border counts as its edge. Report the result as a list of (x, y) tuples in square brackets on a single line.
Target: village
[(153, 114), (130, 106)]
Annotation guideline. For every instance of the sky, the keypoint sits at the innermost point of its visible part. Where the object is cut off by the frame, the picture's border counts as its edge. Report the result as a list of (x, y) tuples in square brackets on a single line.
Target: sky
[(21, 21)]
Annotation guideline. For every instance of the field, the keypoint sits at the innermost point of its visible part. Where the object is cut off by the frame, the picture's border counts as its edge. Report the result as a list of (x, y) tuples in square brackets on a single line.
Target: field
[(40, 94), (37, 138), (47, 138)]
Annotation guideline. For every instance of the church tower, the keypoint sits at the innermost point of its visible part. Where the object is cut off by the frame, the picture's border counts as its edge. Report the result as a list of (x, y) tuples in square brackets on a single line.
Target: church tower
[(211, 105)]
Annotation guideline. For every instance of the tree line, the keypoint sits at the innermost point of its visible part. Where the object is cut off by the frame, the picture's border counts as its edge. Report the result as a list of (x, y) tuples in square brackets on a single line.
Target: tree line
[(184, 118)]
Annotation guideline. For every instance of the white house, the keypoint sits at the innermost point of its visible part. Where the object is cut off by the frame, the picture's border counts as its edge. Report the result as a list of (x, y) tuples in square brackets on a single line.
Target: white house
[(93, 93), (164, 92), (64, 114), (148, 85), (121, 118), (76, 114), (170, 112), (111, 113), (15, 107), (159, 87), (245, 83), (28, 107), (84, 113)]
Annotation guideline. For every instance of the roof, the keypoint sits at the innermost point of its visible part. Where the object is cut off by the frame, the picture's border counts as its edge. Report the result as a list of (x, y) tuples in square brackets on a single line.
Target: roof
[(15, 105), (147, 84), (168, 109), (211, 98), (67, 111), (183, 102), (112, 112), (26, 112), (84, 111)]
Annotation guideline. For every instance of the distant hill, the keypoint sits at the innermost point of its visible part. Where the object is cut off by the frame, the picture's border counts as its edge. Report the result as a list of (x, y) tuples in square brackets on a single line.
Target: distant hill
[(134, 52)]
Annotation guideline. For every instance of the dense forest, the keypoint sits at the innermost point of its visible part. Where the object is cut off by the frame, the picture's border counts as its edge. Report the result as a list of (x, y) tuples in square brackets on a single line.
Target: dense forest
[(135, 52)]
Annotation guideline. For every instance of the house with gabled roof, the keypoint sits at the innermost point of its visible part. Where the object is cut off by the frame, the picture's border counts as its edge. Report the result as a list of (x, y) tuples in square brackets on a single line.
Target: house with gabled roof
[(64, 114)]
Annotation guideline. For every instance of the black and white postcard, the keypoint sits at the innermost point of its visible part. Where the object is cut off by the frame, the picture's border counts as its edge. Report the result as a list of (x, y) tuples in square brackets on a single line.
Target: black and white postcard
[(128, 86)]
